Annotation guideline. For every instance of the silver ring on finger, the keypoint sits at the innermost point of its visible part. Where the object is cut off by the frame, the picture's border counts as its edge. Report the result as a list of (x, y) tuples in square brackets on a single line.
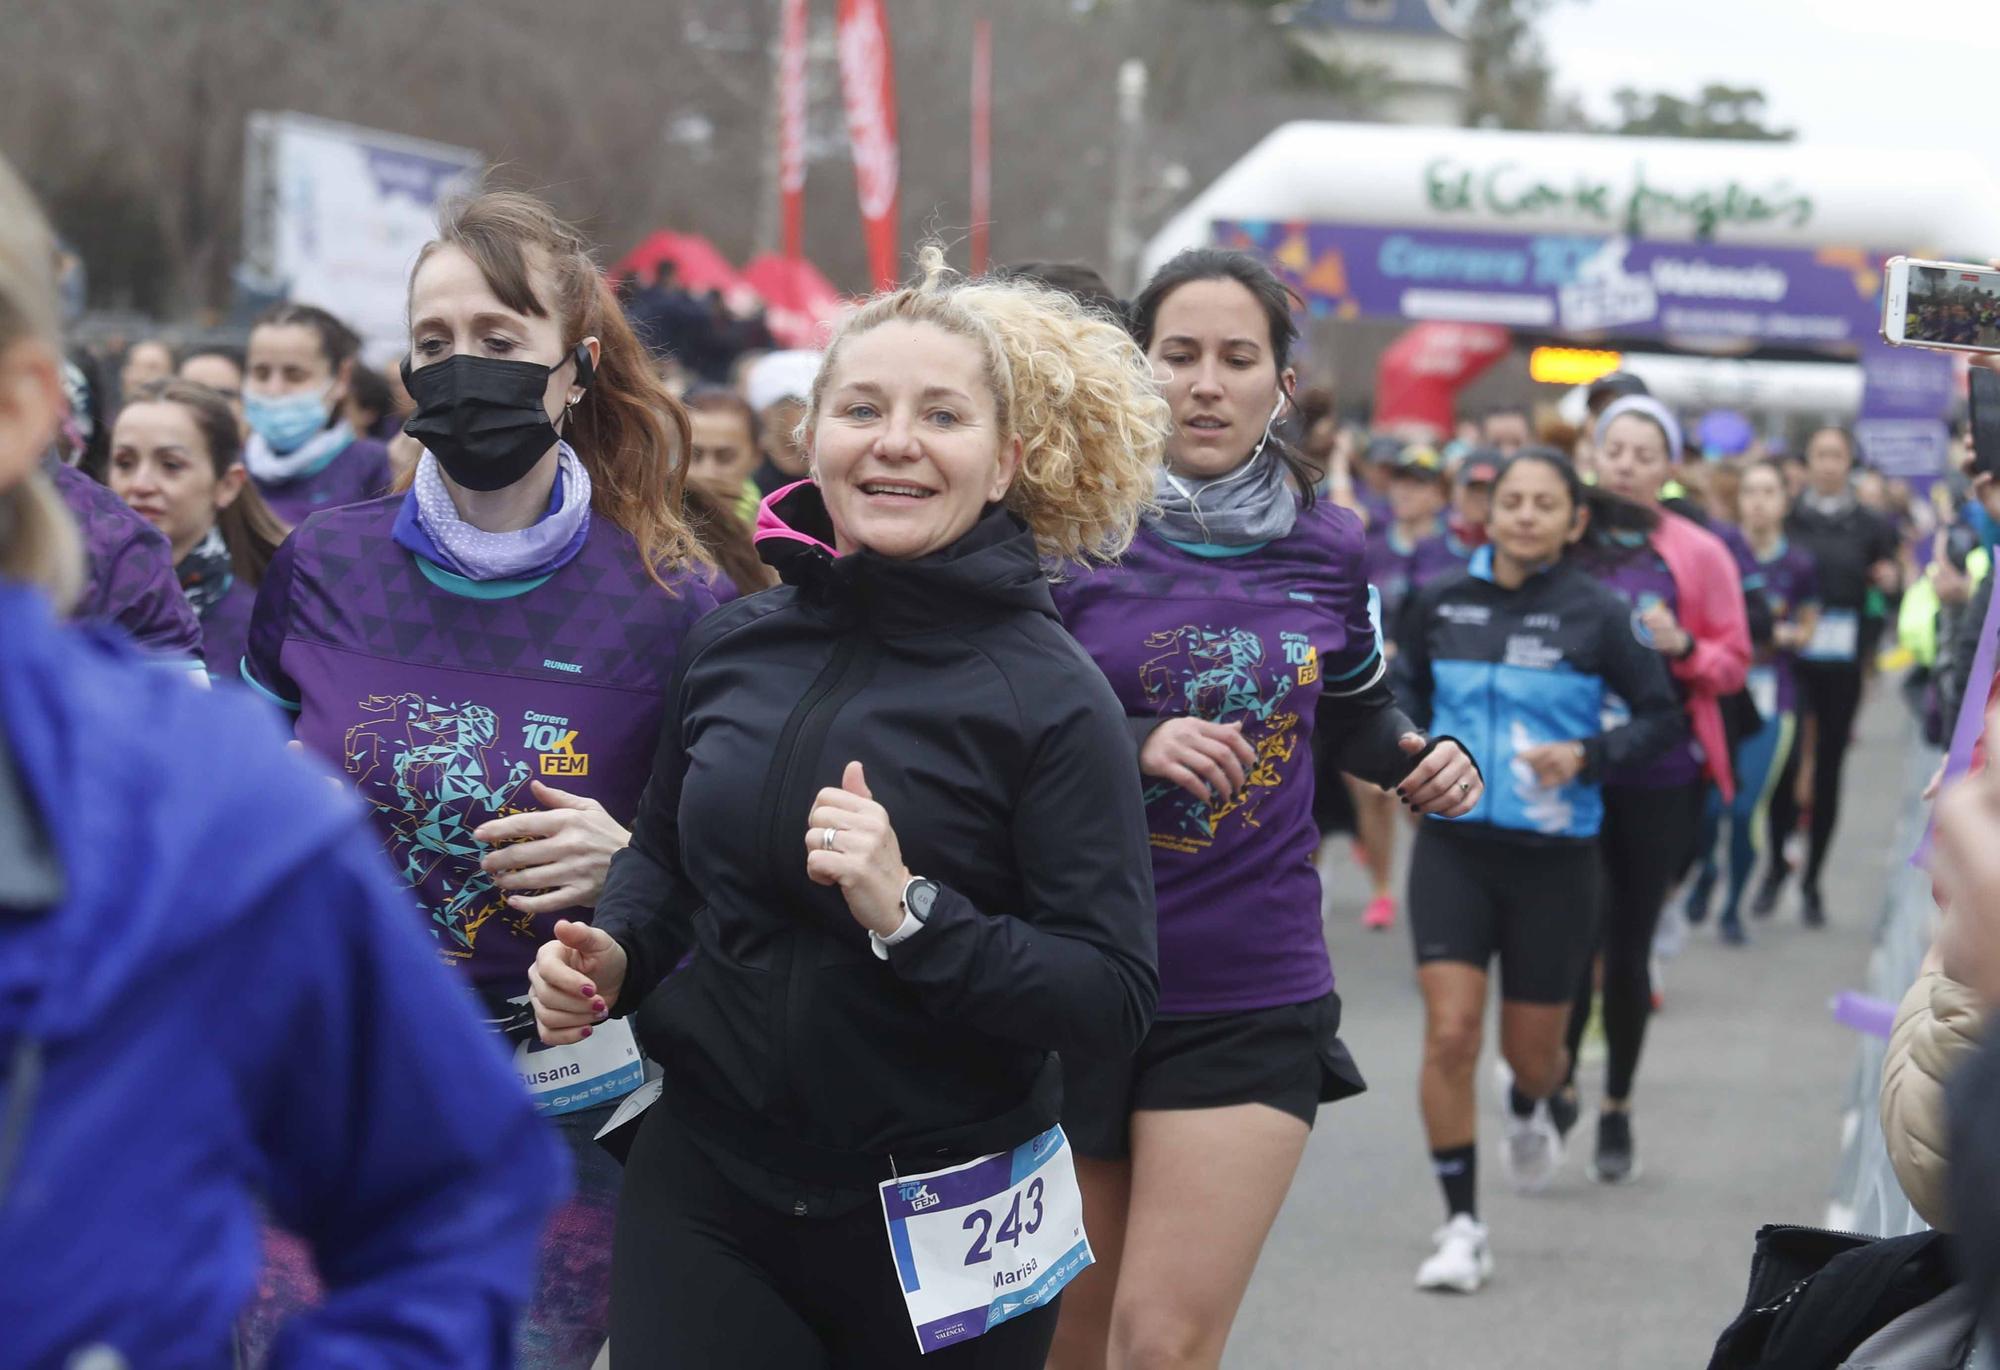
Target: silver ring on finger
[(826, 836), (1465, 787)]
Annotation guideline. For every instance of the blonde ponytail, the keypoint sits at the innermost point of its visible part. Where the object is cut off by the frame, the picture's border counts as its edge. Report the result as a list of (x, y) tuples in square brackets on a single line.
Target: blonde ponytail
[(39, 544), (1070, 384)]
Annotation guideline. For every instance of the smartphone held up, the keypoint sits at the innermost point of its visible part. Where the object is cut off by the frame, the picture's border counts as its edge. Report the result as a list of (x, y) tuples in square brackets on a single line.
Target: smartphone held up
[(1949, 305), (1955, 307)]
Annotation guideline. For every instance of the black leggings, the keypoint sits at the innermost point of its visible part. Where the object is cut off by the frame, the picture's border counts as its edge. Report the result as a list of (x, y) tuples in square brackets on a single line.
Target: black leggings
[(704, 1277), (1831, 694), (1647, 839)]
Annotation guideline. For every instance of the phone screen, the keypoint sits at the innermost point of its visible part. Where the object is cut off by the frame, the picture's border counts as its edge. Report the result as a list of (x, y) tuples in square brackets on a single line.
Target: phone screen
[(1959, 308)]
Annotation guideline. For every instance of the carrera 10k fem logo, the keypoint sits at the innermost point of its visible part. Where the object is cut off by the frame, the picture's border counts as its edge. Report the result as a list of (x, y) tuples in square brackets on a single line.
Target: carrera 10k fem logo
[(554, 742)]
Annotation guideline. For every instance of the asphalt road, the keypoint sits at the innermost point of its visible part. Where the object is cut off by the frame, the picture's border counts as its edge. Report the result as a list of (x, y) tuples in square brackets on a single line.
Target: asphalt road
[(1737, 1117)]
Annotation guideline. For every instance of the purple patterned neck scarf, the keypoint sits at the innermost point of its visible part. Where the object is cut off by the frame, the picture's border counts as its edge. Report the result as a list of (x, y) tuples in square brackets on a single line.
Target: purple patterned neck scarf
[(479, 555)]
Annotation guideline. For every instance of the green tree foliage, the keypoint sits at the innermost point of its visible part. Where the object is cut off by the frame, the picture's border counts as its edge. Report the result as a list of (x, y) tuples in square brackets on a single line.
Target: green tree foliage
[(1718, 111), (1510, 83)]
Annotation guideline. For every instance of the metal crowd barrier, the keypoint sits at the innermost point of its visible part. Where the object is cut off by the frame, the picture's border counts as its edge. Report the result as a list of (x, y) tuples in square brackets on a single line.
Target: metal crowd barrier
[(1865, 1196)]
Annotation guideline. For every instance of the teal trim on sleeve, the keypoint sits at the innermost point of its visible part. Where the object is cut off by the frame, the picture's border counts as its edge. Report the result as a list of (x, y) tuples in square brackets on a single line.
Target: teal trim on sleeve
[(1215, 551), (476, 589), (1373, 657), (243, 669)]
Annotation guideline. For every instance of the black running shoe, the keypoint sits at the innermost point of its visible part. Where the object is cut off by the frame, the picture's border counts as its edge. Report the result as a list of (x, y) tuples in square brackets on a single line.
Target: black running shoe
[(1615, 1162), (1563, 1109), (1814, 910), (1768, 890)]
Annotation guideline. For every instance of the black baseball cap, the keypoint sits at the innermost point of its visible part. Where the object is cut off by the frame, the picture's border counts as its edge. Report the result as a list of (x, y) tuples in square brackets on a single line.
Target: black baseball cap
[(1382, 450), (1419, 462), (1481, 466), (1615, 385)]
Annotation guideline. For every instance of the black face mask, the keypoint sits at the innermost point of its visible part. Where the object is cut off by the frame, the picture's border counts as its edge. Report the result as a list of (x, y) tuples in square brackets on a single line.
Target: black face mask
[(482, 417)]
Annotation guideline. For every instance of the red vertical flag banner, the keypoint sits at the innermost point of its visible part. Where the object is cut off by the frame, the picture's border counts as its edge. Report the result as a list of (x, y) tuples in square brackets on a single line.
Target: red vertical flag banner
[(792, 125), (868, 89), (982, 140)]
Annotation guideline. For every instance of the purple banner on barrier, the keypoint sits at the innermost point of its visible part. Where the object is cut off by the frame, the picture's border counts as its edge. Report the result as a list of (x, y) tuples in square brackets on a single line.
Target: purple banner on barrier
[(1971, 720), (1614, 287), (1864, 1013)]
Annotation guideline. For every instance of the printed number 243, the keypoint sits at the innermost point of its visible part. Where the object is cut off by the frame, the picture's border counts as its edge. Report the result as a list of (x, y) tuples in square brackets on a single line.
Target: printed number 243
[(1011, 1230)]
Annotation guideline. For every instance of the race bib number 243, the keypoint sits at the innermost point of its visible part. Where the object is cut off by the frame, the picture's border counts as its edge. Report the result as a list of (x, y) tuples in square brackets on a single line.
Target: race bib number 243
[(984, 1242)]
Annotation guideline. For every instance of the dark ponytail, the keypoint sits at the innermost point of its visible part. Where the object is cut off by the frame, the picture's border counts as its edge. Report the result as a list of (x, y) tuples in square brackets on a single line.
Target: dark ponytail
[(1609, 513), (338, 343), (1273, 296)]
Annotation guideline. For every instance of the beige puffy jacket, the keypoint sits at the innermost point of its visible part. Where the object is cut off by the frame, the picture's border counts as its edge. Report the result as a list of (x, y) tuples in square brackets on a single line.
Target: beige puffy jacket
[(1937, 1029)]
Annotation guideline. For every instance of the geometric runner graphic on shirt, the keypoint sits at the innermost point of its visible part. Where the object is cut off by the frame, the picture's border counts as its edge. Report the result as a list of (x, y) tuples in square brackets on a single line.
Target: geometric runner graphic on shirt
[(1219, 675), (440, 772)]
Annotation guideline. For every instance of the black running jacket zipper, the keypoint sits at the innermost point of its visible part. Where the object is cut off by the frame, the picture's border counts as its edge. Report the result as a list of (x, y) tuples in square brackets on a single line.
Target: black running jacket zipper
[(804, 734)]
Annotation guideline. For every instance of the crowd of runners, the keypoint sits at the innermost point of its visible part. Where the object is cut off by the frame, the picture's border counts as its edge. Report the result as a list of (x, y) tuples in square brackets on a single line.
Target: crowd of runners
[(873, 800)]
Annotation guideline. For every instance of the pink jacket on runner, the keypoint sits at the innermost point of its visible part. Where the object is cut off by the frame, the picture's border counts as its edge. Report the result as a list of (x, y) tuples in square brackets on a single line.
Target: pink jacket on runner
[(1710, 592)]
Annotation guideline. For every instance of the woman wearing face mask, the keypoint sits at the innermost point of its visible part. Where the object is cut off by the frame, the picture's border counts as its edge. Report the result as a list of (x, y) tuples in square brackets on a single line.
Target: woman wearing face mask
[(1518, 655), (163, 858), (174, 460), (301, 453), (1687, 604), (485, 654), (893, 842), (1855, 550), (1235, 629), (1789, 580)]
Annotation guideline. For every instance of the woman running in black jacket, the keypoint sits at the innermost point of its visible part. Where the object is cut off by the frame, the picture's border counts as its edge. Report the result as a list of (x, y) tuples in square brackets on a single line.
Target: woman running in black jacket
[(895, 834), (1855, 551)]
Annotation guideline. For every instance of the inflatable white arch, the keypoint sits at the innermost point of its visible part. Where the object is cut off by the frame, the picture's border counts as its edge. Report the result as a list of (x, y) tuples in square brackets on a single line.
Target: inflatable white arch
[(1803, 195)]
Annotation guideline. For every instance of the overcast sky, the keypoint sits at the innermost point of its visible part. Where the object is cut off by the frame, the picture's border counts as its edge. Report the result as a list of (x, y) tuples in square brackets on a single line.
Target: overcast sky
[(1862, 72)]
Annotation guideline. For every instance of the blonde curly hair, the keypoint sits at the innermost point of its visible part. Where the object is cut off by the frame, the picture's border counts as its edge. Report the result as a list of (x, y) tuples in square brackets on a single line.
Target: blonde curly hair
[(38, 542), (1071, 384)]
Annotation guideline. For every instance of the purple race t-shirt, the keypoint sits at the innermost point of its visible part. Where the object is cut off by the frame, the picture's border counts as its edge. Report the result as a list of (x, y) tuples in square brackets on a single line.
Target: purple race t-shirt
[(1790, 581), (132, 581), (225, 630), (443, 699), (1638, 575), (360, 472), (1250, 639), (1395, 567)]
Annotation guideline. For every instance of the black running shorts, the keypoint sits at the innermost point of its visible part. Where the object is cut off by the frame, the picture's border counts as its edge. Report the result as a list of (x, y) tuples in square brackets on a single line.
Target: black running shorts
[(1290, 1058), (1474, 897)]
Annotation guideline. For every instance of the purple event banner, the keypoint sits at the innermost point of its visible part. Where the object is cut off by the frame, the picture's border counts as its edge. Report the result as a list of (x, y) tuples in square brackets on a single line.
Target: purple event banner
[(1592, 286)]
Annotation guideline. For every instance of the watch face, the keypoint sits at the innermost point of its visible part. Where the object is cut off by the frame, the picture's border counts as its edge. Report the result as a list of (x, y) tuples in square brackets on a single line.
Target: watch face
[(921, 895)]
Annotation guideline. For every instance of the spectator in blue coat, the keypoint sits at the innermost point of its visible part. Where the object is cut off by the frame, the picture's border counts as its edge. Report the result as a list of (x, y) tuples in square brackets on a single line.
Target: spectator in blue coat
[(213, 998)]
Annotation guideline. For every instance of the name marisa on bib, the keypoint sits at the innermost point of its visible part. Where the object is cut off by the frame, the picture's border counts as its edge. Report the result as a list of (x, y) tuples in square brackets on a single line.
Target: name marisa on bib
[(1006, 1279)]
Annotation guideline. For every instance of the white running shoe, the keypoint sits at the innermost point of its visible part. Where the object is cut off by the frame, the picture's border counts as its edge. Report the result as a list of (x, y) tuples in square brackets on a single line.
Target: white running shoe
[(1671, 935), (1532, 1150), (1462, 1261)]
